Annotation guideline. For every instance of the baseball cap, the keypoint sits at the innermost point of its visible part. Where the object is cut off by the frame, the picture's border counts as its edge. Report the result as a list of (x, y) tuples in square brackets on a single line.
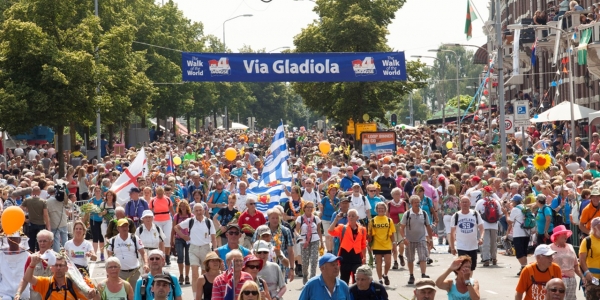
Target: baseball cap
[(413, 172), (356, 184), (327, 258), (134, 190), (163, 278), (517, 198), (476, 179), (346, 199), (425, 283), (229, 226), (544, 250), (147, 213), (260, 246), (156, 252), (262, 230), (122, 222)]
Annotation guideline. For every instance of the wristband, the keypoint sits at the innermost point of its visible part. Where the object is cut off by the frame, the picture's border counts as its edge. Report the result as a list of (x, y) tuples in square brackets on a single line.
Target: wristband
[(31, 267), (585, 273)]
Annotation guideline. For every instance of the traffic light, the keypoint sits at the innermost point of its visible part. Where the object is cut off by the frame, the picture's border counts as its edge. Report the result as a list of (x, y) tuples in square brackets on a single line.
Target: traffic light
[(394, 120)]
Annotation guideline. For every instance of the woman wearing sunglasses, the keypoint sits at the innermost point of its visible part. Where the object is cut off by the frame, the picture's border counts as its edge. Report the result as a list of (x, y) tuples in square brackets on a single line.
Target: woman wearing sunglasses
[(250, 291), (253, 265)]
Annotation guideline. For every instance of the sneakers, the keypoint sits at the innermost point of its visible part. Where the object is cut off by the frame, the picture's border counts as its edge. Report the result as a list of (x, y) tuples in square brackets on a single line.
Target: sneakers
[(180, 279), (519, 274), (494, 262), (298, 270), (101, 256), (380, 281), (401, 260), (395, 266), (168, 259), (411, 280), (187, 280), (386, 280), (429, 261), (486, 263), (424, 276)]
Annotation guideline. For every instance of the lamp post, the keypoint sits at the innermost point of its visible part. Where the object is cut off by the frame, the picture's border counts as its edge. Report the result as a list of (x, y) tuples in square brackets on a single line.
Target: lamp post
[(98, 131), (444, 99), (571, 85), (457, 92), (284, 47), (244, 15)]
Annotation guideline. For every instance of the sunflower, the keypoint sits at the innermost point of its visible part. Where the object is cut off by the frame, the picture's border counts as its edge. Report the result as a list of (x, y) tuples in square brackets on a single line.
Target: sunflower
[(541, 161)]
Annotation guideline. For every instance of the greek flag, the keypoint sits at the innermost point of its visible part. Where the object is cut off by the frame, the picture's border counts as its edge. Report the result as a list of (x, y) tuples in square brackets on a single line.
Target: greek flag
[(268, 191)]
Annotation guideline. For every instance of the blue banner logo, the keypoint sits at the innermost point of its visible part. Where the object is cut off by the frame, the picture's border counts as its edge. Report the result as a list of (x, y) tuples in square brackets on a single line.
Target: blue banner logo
[(294, 67)]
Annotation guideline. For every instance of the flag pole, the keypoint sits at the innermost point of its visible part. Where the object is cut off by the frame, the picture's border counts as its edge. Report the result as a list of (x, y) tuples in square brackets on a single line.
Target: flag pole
[(476, 11)]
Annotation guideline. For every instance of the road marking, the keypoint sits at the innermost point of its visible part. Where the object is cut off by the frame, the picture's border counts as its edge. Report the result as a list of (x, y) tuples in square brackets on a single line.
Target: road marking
[(491, 292)]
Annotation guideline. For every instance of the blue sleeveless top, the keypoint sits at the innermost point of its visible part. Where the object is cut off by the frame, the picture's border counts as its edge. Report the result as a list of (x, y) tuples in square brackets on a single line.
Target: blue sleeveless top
[(454, 294)]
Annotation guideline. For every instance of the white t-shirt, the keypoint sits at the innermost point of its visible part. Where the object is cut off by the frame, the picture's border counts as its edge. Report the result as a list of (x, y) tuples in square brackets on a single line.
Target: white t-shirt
[(573, 167), (466, 229), (474, 195), (333, 170), (31, 154), (241, 202), (480, 208), (312, 196), (151, 238), (361, 205), (77, 253), (199, 235), (516, 217), (125, 251), (314, 221)]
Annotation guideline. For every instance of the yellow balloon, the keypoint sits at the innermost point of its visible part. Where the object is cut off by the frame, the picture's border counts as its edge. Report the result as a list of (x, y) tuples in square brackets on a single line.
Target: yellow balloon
[(449, 145), (177, 160), (230, 154), (325, 147)]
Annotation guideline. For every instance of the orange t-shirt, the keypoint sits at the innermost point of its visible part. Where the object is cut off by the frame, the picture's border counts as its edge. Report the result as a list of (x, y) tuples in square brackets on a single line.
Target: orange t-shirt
[(161, 208), (587, 214), (532, 281), (43, 284)]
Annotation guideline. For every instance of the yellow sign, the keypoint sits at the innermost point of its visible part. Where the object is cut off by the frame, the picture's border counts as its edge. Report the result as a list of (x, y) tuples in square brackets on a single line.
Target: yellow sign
[(366, 117), (365, 127), (350, 127)]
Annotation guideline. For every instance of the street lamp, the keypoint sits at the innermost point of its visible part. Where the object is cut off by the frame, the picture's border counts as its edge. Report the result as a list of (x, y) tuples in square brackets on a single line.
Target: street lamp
[(244, 15), (284, 47), (571, 86), (444, 99), (457, 91)]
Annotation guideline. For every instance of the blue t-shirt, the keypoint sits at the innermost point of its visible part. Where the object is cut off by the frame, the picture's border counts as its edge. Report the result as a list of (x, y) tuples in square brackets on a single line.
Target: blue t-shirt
[(328, 210), (217, 198), (223, 250), (346, 183), (95, 217), (342, 221), (373, 201), (315, 289), (583, 204), (565, 211), (427, 205), (103, 144), (149, 294), (540, 219)]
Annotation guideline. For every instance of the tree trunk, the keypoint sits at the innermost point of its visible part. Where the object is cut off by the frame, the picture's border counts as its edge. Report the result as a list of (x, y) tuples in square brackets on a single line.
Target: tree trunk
[(197, 125), (175, 127), (73, 136), (111, 135), (143, 122), (126, 136), (189, 125), (59, 150)]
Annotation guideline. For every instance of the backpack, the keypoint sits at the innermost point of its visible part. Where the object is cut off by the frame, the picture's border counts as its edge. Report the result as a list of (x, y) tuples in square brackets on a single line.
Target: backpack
[(588, 246), (555, 218), (160, 213), (528, 218), (314, 191), (425, 221), (141, 229), (69, 288), (474, 214), (59, 192), (206, 220), (491, 211), (145, 283), (133, 239)]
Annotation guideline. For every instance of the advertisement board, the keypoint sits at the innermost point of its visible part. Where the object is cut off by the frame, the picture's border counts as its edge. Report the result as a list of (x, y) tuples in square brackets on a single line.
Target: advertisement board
[(293, 67), (381, 143)]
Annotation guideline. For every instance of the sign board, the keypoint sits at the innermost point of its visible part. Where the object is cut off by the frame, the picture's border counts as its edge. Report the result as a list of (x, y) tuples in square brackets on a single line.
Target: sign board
[(417, 123), (379, 143), (522, 123), (365, 127), (509, 124), (522, 110), (350, 127), (293, 67)]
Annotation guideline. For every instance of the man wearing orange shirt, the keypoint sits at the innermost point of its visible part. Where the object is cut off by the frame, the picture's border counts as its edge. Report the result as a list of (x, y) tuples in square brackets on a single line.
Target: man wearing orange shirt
[(535, 275), (590, 211)]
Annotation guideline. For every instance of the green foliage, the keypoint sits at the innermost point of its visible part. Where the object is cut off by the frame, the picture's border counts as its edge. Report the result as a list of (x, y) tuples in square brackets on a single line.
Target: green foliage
[(420, 110), (464, 103), (353, 26)]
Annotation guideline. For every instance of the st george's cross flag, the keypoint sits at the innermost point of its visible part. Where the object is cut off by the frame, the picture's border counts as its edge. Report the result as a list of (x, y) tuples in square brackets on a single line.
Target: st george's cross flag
[(128, 178)]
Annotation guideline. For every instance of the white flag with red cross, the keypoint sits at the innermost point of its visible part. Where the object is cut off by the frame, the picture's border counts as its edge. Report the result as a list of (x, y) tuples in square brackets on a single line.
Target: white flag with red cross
[(128, 178)]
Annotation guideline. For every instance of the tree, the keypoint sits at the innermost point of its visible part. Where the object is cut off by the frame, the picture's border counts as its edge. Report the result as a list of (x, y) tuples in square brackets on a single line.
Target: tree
[(420, 110), (353, 26), (465, 100)]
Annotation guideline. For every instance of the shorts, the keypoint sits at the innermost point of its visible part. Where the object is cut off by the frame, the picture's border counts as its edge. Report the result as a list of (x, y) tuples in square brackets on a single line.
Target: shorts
[(382, 252), (472, 254), (166, 227), (326, 225), (397, 236), (198, 254), (520, 244), (420, 248)]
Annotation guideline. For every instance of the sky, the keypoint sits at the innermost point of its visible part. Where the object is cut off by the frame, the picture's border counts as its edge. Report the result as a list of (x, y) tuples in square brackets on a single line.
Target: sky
[(419, 25)]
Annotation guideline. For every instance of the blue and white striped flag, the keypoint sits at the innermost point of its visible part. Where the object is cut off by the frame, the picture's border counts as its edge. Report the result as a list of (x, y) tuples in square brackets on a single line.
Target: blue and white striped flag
[(268, 191)]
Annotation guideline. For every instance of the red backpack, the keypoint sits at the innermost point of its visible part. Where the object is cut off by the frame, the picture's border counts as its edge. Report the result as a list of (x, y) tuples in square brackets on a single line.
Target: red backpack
[(491, 211)]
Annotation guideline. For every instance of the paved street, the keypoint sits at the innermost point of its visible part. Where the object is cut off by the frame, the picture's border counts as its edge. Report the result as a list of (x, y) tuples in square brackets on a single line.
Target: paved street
[(496, 282)]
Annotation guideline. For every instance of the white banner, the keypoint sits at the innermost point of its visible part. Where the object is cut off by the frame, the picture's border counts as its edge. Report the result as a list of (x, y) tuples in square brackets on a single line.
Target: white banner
[(516, 51), (128, 178)]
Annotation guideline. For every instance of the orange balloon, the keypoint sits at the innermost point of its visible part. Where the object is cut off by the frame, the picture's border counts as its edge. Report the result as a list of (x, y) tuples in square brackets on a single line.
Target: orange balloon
[(230, 154), (12, 219), (387, 159)]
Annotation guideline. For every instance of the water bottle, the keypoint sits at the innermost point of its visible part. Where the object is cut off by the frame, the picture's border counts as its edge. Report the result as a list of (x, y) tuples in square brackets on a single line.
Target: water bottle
[(595, 281)]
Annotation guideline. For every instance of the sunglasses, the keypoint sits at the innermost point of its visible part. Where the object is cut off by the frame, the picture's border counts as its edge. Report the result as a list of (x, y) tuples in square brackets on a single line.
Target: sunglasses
[(234, 233), (372, 191), (252, 266), (557, 290), (248, 293), (262, 252), (252, 203), (154, 258)]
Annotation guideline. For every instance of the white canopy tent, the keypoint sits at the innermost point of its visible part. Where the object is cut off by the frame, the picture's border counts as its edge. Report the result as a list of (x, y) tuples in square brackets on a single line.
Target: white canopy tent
[(235, 125), (562, 112), (406, 126)]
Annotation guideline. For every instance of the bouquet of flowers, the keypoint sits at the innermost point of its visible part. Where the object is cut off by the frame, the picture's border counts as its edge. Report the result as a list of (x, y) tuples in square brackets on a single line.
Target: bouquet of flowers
[(88, 208), (234, 220)]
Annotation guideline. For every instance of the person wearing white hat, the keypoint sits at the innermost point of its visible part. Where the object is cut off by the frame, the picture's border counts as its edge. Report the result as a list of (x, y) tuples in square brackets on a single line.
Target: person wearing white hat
[(534, 276), (270, 271), (149, 233)]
